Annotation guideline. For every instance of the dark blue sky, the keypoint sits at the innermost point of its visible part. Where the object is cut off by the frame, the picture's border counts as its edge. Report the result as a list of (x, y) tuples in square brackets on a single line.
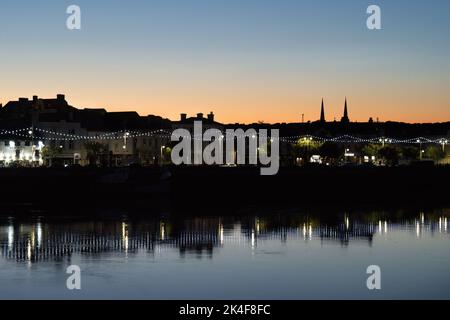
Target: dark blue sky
[(247, 60)]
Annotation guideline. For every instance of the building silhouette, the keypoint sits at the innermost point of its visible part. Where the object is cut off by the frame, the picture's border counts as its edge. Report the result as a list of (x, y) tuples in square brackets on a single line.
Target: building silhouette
[(322, 113), (345, 118), (88, 136), (69, 134)]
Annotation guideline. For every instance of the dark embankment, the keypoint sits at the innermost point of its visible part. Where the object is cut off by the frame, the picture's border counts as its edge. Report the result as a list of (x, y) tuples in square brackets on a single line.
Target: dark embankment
[(75, 189), (216, 188), (212, 189)]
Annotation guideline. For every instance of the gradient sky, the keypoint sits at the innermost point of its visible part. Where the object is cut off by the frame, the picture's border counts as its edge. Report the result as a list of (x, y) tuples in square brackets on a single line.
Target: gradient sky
[(246, 60)]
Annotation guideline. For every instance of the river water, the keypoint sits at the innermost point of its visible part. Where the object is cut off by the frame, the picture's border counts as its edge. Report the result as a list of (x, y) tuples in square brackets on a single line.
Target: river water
[(285, 254)]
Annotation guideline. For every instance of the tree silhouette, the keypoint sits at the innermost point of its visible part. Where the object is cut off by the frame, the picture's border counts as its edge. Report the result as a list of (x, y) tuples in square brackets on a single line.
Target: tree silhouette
[(332, 152), (390, 154), (49, 153), (95, 150), (434, 152)]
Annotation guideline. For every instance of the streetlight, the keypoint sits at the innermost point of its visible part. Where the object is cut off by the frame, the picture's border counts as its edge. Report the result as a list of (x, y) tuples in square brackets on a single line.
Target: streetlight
[(221, 140), (31, 133), (385, 140), (256, 149), (420, 149), (162, 149), (443, 142), (308, 140), (125, 137)]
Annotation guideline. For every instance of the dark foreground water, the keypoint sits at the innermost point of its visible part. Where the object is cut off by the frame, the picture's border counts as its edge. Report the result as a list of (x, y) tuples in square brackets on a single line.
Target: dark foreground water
[(289, 255)]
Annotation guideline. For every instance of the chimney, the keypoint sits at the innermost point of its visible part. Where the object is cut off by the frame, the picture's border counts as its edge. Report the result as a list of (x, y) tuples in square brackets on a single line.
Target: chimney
[(183, 117), (199, 115), (61, 97), (35, 98), (211, 116)]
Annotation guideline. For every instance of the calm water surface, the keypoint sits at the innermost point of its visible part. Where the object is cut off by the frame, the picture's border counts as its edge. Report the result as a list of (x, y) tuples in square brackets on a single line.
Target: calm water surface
[(290, 255)]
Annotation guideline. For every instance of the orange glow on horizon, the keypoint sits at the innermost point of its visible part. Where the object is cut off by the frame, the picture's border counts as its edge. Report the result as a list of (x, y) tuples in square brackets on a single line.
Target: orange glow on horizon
[(269, 108)]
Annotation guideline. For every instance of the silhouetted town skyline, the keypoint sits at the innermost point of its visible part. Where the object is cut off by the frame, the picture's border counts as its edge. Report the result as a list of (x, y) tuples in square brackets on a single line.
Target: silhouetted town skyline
[(38, 103), (35, 130)]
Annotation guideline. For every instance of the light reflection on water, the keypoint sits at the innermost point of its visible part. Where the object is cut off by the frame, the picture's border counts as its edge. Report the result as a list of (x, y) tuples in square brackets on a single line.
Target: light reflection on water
[(280, 256)]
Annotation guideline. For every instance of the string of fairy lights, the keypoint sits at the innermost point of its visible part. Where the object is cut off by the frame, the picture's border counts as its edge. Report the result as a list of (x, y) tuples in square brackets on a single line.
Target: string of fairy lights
[(50, 135)]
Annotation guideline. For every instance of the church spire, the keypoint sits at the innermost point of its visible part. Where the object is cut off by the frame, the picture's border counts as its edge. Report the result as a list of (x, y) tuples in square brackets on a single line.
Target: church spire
[(345, 109), (322, 113), (345, 118)]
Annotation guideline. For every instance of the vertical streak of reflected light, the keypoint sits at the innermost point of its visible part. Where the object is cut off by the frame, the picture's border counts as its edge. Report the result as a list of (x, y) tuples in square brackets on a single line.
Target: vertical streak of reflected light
[(10, 237), (125, 236), (32, 237), (253, 240), (39, 234), (221, 233), (28, 257), (162, 230)]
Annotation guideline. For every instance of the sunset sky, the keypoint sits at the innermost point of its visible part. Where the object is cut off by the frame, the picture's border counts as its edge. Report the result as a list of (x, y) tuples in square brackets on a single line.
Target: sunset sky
[(246, 60)]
